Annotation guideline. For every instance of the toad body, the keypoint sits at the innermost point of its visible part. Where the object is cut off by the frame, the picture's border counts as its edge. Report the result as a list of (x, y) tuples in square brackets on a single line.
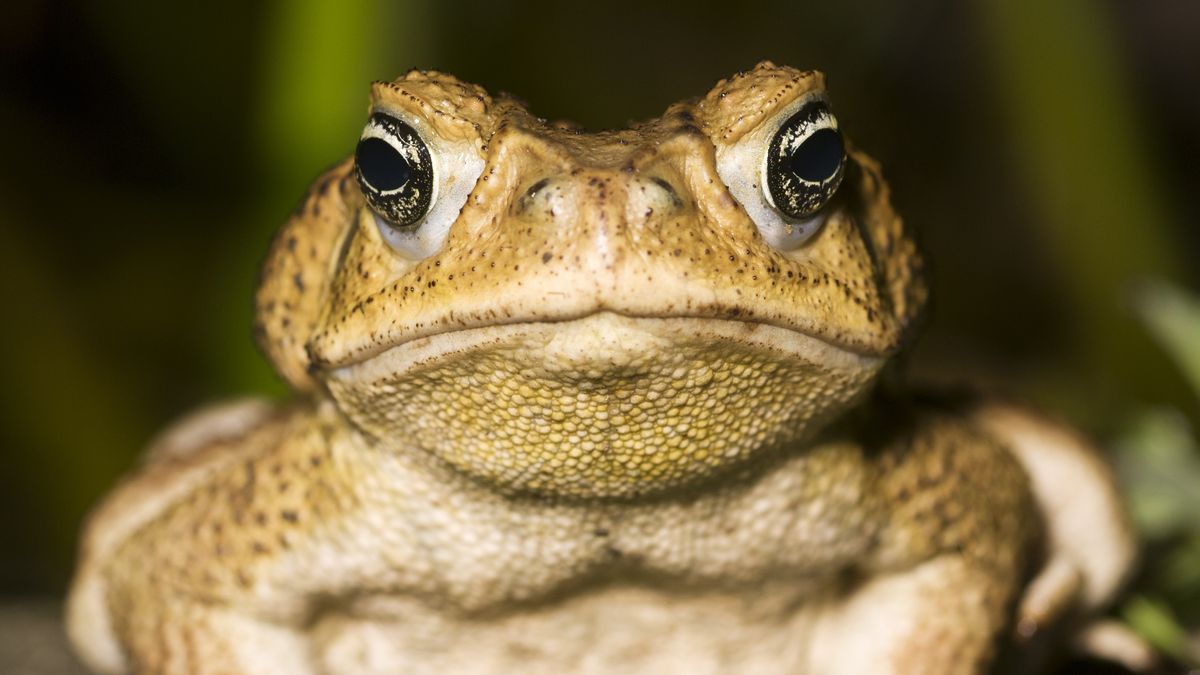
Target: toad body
[(593, 403)]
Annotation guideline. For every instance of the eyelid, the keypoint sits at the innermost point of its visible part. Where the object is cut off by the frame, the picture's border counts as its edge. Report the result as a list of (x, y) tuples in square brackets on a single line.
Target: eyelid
[(799, 198), (457, 166), (407, 205), (743, 168)]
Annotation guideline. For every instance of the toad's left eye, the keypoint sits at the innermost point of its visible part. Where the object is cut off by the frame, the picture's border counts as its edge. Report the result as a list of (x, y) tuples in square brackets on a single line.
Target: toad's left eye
[(805, 162), (395, 171)]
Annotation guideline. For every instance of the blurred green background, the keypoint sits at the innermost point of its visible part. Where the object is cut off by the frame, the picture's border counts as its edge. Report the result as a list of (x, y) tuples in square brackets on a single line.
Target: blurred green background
[(1046, 152)]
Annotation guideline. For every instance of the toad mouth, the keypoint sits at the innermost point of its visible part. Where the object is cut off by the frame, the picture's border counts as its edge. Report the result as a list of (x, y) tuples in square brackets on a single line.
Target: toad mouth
[(605, 339)]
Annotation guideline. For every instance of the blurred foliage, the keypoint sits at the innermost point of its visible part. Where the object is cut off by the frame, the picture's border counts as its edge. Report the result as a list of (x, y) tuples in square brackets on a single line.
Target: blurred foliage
[(1065, 96), (1160, 471), (1045, 152), (1173, 317)]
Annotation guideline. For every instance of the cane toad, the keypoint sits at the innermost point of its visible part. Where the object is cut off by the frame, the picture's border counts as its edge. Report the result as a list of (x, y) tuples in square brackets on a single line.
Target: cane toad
[(595, 402)]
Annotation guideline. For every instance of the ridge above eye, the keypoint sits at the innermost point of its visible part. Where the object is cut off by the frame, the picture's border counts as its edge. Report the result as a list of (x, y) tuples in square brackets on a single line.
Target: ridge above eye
[(805, 162)]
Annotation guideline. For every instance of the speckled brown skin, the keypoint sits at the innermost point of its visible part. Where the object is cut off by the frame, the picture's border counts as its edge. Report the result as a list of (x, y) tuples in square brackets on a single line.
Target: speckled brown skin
[(604, 427)]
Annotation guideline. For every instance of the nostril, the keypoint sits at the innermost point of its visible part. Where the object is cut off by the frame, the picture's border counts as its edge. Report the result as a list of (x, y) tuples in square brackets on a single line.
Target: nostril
[(542, 193), (669, 194), (536, 188), (667, 187)]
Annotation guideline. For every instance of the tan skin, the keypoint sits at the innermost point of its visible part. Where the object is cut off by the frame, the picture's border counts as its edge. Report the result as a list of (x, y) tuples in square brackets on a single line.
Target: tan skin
[(608, 402)]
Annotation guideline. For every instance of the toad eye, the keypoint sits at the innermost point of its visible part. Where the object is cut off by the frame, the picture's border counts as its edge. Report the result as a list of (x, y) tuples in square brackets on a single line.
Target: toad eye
[(395, 171), (804, 162)]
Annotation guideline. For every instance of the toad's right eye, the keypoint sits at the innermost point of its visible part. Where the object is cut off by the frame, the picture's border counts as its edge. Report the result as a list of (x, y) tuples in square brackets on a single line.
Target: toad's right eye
[(805, 162), (395, 171)]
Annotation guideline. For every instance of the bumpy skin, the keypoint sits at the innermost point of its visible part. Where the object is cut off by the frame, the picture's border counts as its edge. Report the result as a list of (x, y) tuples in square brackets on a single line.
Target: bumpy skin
[(603, 427)]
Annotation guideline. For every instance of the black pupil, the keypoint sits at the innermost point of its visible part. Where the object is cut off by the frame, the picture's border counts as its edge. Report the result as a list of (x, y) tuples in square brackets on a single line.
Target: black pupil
[(381, 165), (818, 157)]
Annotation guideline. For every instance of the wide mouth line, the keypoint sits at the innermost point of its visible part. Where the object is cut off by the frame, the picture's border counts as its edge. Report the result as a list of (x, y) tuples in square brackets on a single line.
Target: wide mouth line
[(367, 356)]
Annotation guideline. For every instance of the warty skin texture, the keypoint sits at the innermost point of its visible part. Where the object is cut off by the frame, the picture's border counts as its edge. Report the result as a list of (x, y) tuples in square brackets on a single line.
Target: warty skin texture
[(604, 425)]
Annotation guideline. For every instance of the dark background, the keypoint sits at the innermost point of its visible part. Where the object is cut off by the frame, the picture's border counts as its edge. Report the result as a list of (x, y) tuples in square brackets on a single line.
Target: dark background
[(1047, 152)]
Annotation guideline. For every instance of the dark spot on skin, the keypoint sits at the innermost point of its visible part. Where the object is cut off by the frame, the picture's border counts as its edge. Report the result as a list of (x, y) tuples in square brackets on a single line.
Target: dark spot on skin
[(546, 257), (324, 187), (600, 532), (689, 129), (298, 281), (289, 515), (250, 476)]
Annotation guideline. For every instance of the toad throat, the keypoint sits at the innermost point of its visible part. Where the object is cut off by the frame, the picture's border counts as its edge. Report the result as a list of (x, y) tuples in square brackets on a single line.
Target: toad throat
[(602, 406)]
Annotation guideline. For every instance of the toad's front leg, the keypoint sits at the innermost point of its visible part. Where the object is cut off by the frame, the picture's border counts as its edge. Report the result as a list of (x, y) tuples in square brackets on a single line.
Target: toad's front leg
[(176, 634), (942, 617), (939, 595), (214, 559)]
